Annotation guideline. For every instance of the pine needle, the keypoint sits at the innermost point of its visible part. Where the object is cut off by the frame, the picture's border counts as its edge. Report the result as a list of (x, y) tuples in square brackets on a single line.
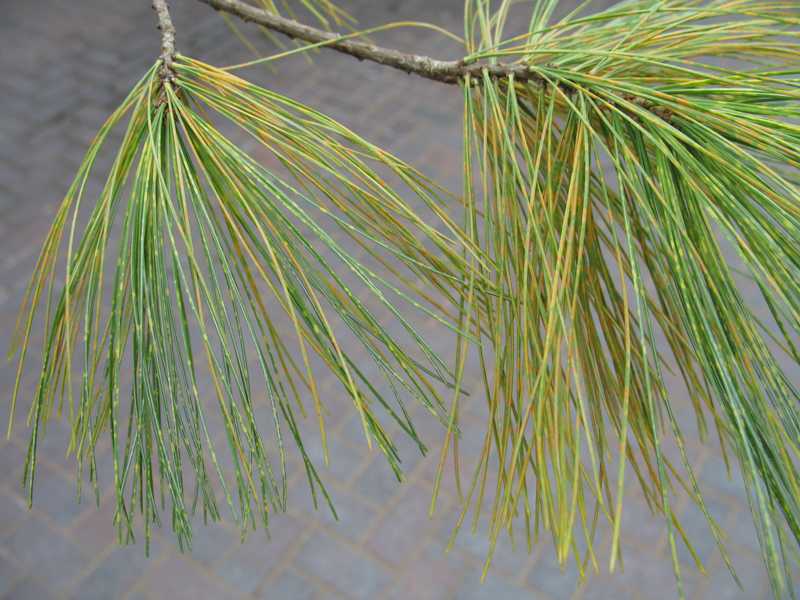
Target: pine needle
[(601, 192), (604, 181), (212, 252)]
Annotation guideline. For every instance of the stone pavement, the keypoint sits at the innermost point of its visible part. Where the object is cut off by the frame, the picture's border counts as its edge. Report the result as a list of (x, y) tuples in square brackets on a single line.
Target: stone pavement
[(65, 65)]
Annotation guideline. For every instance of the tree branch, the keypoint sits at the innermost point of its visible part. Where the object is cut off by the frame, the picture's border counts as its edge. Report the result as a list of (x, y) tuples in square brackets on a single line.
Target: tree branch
[(167, 39), (444, 71)]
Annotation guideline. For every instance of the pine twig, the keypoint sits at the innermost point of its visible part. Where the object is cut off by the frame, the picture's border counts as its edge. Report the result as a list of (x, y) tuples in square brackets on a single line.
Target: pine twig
[(450, 72), (444, 71), (167, 39)]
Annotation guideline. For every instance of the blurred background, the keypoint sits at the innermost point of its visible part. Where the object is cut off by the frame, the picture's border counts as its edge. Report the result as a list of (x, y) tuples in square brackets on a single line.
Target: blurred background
[(65, 66)]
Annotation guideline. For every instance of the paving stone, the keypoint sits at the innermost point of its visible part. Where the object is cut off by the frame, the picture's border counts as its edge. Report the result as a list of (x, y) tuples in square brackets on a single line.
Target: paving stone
[(493, 589), (95, 531), (351, 572), (354, 517), (377, 483), (547, 575), (598, 587), (640, 526), (344, 459), (290, 584), (117, 573), (405, 527), (650, 575), (55, 496), (507, 559), (177, 578), (715, 477), (12, 463), (740, 531), (30, 589), (246, 565), (10, 572), (211, 541), (720, 585), (35, 545), (431, 574), (699, 532)]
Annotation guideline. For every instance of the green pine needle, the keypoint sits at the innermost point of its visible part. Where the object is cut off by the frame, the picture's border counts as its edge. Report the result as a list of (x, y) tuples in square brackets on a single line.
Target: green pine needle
[(600, 187), (212, 250)]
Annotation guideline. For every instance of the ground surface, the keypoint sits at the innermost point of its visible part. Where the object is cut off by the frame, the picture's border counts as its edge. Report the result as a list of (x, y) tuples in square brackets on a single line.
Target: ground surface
[(65, 65)]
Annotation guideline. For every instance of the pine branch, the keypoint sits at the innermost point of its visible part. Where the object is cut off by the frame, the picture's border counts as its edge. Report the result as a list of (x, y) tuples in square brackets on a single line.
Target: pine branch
[(167, 39), (444, 71), (451, 72)]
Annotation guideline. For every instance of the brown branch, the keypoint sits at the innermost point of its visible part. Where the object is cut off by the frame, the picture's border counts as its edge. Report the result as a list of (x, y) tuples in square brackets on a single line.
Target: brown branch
[(167, 39), (444, 71)]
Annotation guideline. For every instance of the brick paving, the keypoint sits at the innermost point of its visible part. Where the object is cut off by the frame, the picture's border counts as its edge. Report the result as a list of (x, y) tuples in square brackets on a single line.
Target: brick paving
[(65, 66)]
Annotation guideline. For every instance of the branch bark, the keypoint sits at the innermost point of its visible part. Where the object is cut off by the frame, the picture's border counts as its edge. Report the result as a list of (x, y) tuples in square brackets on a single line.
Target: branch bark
[(444, 71), (167, 39)]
